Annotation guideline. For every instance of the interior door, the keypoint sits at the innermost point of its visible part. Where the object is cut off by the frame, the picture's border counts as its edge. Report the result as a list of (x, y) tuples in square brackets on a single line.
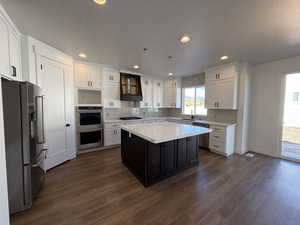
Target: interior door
[(52, 79)]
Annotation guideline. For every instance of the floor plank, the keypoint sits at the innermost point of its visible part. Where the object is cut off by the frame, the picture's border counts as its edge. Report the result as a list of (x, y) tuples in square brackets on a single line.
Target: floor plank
[(96, 189)]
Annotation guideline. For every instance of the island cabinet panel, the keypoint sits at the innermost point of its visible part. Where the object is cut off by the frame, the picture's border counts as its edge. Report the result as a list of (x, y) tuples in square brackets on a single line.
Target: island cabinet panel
[(151, 163), (182, 153), (168, 153), (191, 143), (154, 158)]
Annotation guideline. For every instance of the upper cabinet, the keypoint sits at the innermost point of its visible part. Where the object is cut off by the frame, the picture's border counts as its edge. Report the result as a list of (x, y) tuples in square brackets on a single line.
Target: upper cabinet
[(111, 76), (158, 93), (221, 85), (172, 93), (111, 88), (87, 75), (15, 54), (147, 92), (10, 49)]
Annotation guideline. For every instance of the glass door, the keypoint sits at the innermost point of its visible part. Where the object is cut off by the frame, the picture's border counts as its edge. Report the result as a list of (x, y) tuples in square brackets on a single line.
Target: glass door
[(291, 118)]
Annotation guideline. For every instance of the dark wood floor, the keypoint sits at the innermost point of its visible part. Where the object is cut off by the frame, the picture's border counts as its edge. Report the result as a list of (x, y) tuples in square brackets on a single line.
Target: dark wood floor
[(97, 189)]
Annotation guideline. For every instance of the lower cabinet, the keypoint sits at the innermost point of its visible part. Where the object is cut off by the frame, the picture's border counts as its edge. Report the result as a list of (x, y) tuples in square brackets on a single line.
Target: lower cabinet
[(112, 134), (151, 163)]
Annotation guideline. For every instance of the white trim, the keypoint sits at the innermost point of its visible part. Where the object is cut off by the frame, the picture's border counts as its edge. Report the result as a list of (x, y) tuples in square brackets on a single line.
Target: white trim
[(4, 211), (7, 19), (281, 115)]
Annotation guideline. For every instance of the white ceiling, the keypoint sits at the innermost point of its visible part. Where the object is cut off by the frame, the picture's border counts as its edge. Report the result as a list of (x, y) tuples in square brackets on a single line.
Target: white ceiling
[(256, 31)]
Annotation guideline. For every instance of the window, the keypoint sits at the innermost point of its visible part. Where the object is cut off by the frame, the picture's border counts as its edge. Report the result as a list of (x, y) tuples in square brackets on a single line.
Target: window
[(296, 97), (193, 101)]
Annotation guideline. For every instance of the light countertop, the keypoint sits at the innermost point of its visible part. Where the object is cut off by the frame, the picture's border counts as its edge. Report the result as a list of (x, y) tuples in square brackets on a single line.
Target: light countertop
[(171, 119), (164, 131)]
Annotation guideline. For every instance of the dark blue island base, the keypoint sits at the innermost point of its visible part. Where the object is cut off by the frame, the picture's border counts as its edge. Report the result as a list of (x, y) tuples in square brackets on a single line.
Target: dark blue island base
[(152, 163)]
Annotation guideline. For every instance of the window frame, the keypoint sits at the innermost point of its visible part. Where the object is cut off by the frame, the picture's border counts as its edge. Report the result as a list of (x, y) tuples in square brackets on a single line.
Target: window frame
[(195, 100)]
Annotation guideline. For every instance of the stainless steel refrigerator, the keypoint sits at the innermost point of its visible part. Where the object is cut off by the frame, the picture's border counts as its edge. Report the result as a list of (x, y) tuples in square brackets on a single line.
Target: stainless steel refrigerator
[(24, 142)]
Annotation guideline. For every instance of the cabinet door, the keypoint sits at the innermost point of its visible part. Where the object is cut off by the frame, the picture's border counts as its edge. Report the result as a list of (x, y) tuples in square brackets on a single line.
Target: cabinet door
[(111, 75), (82, 75), (112, 137), (228, 72), (182, 154), (191, 143), (95, 77), (15, 55), (147, 93), (4, 48), (154, 161), (227, 97), (158, 94), (111, 95), (168, 153), (211, 96)]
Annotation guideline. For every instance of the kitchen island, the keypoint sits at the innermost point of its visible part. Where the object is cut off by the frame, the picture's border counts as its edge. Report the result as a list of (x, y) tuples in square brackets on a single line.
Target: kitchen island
[(156, 151)]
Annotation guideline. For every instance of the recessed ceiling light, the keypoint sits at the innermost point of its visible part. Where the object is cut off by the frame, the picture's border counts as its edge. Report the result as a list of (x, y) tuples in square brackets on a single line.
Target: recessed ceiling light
[(170, 74), (82, 55), (225, 57), (136, 67), (100, 2), (185, 39)]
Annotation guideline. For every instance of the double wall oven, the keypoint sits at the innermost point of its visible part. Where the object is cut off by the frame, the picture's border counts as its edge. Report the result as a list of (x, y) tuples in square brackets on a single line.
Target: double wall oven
[(89, 127)]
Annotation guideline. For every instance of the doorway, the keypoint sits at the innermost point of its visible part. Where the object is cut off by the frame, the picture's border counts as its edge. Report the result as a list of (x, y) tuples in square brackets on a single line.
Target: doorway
[(290, 147), (56, 81)]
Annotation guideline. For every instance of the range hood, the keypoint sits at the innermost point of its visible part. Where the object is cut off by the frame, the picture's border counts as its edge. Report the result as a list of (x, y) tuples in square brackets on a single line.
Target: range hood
[(130, 85)]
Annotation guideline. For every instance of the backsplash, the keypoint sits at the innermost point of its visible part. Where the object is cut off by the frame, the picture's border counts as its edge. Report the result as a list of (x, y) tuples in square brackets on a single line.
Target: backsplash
[(225, 116), (132, 109)]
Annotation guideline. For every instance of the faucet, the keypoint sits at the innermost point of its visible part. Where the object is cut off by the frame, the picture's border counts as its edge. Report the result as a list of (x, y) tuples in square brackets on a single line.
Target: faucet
[(192, 115)]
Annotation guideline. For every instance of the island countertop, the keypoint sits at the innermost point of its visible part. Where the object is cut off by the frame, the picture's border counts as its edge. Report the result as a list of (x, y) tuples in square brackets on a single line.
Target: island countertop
[(164, 131)]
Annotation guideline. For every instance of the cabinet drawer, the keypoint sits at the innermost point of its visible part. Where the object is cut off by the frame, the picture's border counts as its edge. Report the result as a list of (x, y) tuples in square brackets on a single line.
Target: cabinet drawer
[(218, 130), (112, 126), (217, 145), (217, 137)]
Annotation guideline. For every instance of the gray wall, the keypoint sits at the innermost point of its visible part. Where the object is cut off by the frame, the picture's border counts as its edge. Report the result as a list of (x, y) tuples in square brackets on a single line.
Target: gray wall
[(267, 104)]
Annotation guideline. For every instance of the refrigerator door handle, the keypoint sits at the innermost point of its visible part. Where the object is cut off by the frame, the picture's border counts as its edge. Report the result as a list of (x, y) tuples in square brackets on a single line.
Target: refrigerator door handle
[(43, 141), (43, 120)]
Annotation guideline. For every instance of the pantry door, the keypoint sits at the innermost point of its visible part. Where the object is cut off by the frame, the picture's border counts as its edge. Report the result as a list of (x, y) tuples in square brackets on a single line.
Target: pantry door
[(52, 79)]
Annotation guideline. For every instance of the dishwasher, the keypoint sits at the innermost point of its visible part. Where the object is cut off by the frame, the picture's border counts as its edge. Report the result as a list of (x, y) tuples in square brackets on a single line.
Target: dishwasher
[(204, 138)]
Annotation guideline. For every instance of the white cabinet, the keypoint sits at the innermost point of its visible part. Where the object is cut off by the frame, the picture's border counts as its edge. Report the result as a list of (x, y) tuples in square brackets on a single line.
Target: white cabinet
[(112, 134), (111, 76), (111, 88), (172, 93), (10, 51), (221, 139), (158, 94), (4, 48), (87, 75), (15, 55), (222, 87), (147, 92)]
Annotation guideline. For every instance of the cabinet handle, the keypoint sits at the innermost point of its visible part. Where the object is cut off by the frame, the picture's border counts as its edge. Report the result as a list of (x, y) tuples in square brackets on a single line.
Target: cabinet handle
[(14, 71), (216, 146), (216, 136), (92, 83)]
